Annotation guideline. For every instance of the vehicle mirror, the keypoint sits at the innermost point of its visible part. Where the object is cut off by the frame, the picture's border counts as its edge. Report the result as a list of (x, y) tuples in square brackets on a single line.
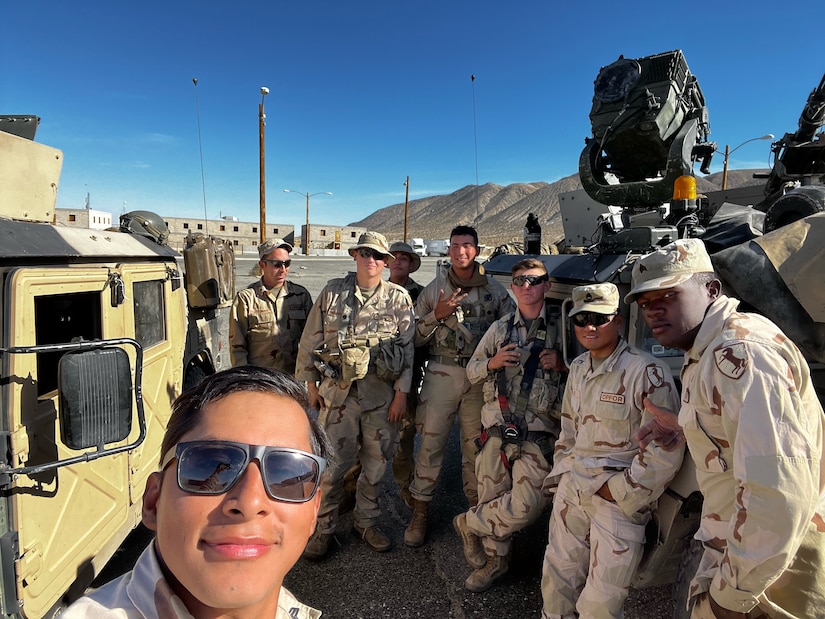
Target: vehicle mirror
[(95, 397)]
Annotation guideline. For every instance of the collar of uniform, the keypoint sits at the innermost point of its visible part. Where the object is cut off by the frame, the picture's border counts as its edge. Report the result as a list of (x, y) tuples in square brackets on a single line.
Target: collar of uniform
[(712, 325), (612, 359)]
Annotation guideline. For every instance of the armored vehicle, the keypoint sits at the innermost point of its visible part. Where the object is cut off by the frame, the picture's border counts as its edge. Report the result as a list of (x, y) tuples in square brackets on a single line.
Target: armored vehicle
[(99, 332), (650, 128)]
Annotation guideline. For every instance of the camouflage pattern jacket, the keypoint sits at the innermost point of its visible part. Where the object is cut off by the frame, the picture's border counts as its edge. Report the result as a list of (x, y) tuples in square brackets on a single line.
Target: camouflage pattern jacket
[(144, 593), (458, 335), (541, 407), (601, 411), (265, 329), (754, 427), (340, 311)]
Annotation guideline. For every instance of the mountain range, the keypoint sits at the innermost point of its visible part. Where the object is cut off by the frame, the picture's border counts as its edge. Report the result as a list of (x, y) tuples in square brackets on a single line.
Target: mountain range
[(499, 212)]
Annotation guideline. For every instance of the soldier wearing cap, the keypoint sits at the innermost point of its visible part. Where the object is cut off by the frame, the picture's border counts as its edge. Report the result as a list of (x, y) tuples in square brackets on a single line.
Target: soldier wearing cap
[(356, 356), (606, 486), (269, 315), (754, 427), (519, 365)]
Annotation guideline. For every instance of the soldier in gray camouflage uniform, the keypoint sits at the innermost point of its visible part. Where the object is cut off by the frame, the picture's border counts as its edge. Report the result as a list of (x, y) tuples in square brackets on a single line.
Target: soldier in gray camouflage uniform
[(606, 486), (356, 356), (519, 356), (269, 315), (754, 427), (454, 311)]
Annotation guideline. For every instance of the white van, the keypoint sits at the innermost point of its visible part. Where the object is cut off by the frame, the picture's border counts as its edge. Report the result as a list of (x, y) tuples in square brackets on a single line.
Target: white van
[(419, 247)]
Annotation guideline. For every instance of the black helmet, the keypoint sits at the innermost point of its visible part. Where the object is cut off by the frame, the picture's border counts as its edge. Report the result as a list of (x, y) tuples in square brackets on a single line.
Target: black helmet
[(145, 223)]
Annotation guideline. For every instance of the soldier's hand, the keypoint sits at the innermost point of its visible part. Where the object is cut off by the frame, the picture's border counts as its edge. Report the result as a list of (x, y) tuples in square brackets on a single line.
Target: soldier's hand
[(551, 359), (664, 429), (315, 399), (447, 305), (398, 407), (507, 356)]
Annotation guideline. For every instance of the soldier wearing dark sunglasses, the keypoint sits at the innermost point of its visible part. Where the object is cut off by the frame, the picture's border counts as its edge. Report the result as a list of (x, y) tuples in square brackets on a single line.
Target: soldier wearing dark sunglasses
[(269, 315), (233, 504)]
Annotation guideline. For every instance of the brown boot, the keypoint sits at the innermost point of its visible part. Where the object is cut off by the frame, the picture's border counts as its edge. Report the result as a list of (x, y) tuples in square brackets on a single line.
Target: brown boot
[(483, 578), (417, 529), (473, 549)]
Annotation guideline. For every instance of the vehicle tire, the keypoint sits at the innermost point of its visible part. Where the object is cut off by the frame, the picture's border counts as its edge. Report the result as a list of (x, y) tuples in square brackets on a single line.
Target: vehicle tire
[(794, 205), (687, 569)]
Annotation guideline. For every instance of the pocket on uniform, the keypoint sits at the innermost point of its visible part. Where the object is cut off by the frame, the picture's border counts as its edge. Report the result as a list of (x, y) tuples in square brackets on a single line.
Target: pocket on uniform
[(261, 325)]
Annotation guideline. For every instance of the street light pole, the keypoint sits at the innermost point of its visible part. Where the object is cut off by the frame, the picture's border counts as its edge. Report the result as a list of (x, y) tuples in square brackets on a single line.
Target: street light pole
[(728, 153), (306, 228), (261, 125), (406, 206)]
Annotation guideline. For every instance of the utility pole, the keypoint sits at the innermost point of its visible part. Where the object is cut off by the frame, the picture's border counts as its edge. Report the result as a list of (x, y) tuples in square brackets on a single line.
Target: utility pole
[(406, 206)]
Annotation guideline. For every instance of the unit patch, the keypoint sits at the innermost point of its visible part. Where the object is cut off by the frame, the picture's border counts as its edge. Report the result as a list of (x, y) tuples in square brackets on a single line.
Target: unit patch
[(732, 360), (615, 398), (654, 375)]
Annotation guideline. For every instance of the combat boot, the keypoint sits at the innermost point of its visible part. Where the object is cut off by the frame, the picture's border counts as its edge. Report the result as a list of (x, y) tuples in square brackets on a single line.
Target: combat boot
[(417, 529), (483, 578), (473, 549), (317, 546)]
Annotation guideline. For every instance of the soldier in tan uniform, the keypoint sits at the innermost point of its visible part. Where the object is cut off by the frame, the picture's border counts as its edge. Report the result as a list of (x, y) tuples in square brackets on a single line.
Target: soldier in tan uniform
[(269, 315), (356, 356), (754, 427), (454, 311), (517, 359), (606, 486)]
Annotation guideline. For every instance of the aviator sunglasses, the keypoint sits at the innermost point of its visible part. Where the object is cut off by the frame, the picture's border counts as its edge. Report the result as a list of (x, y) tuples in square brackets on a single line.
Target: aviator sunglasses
[(533, 280), (214, 467), (278, 263), (582, 319), (366, 252)]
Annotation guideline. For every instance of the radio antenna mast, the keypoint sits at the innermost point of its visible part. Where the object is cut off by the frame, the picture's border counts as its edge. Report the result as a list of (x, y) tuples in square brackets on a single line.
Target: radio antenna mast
[(200, 148)]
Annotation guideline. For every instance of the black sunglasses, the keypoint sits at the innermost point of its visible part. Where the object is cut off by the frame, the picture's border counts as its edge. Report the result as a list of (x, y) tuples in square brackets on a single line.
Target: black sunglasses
[(582, 319), (278, 263), (366, 252), (533, 280), (214, 467)]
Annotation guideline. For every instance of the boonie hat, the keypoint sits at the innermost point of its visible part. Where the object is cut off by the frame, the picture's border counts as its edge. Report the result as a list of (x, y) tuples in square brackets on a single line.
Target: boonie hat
[(669, 266), (271, 245), (599, 298), (372, 240), (415, 259)]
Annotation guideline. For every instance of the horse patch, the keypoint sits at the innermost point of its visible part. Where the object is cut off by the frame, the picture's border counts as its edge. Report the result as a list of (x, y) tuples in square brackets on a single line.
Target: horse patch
[(732, 360)]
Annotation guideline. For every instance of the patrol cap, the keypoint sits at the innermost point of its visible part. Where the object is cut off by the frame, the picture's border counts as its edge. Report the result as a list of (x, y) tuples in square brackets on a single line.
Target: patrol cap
[(599, 298), (403, 248), (372, 240), (668, 267), (271, 245)]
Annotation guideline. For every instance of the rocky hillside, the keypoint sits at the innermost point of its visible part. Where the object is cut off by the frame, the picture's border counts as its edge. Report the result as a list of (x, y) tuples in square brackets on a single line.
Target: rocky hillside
[(499, 213)]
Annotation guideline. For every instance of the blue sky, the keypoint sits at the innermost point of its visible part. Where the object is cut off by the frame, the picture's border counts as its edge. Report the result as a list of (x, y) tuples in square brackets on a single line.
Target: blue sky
[(366, 93)]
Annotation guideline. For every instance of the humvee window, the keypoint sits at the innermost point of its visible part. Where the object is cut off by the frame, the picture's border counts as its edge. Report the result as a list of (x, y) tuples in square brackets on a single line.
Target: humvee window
[(150, 315), (60, 319)]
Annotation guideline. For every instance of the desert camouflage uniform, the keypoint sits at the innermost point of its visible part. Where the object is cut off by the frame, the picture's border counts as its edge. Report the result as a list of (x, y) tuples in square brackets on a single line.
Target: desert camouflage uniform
[(357, 408), (403, 464), (144, 592), (509, 500), (266, 325), (594, 544), (754, 427), (446, 389)]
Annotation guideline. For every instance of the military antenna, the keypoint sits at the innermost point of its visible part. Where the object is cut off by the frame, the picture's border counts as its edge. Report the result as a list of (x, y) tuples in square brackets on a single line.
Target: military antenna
[(475, 145), (200, 148)]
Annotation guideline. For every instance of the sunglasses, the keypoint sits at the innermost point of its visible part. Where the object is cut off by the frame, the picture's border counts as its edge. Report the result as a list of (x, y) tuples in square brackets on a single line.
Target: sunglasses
[(533, 280), (278, 263), (366, 252), (582, 319), (214, 467)]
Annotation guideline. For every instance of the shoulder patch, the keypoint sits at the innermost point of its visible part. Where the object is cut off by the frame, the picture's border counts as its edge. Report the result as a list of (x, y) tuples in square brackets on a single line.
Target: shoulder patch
[(654, 376), (732, 360)]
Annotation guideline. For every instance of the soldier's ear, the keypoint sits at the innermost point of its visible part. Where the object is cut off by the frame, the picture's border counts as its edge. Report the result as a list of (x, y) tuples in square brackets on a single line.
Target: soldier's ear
[(151, 497), (714, 289)]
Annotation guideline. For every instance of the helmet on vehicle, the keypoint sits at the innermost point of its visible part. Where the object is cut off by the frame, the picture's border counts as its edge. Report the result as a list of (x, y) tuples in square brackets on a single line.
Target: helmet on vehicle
[(145, 223)]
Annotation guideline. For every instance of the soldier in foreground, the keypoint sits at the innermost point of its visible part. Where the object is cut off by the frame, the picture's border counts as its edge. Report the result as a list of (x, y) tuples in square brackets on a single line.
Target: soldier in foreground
[(754, 427), (269, 315), (520, 368), (356, 355), (606, 486), (453, 311), (231, 519)]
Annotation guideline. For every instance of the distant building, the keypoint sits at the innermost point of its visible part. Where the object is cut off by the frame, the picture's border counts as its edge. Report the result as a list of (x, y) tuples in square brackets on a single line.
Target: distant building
[(328, 240), (83, 218), (244, 235)]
